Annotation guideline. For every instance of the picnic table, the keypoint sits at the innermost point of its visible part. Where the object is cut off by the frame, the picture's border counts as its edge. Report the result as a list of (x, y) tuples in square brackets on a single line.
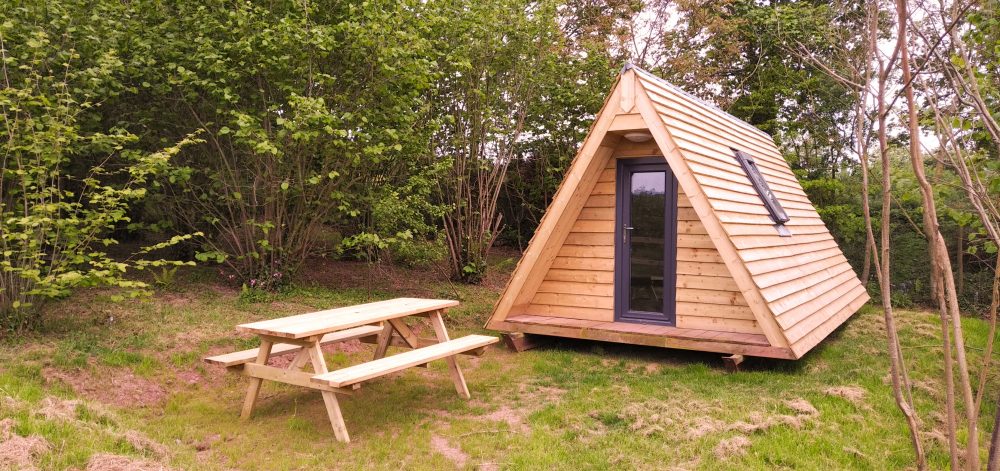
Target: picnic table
[(381, 323)]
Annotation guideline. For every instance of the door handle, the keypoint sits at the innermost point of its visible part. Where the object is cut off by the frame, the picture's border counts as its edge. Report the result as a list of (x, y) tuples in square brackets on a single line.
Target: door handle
[(625, 230)]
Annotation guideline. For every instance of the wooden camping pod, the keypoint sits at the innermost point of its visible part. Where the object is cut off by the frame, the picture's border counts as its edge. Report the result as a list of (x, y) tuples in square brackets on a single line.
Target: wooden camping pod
[(736, 282)]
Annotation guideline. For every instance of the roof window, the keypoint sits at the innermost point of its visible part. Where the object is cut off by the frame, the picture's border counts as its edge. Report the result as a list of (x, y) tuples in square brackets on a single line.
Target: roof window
[(771, 202)]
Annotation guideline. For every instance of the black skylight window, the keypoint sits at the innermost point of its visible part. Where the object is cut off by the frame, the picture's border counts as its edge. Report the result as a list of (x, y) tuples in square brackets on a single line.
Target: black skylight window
[(777, 213)]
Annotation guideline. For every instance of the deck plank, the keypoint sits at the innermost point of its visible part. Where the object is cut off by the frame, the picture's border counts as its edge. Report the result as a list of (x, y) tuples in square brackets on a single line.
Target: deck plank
[(644, 329), (654, 336)]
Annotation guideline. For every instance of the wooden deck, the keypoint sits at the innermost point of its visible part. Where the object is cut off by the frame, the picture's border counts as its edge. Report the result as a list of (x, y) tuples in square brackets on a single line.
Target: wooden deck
[(645, 334)]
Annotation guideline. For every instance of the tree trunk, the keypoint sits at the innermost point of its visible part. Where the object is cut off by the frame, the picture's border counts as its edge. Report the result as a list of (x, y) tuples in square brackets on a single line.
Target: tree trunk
[(942, 271), (885, 285), (867, 266), (994, 461), (960, 259)]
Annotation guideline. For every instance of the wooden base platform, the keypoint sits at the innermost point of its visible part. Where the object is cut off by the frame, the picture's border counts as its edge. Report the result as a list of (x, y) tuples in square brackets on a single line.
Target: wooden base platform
[(645, 334)]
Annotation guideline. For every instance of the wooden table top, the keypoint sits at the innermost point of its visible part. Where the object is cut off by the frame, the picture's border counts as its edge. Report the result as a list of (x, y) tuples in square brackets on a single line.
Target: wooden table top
[(332, 320)]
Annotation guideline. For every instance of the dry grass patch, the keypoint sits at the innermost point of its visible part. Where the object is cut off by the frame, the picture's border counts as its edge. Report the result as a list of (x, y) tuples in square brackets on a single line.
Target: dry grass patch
[(17, 452), (853, 394), (145, 444), (53, 408), (109, 462), (801, 407), (659, 416), (113, 386), (732, 446)]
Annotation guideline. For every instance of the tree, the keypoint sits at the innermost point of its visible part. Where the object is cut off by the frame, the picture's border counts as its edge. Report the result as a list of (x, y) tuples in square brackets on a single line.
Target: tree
[(493, 72), (313, 115), (65, 182)]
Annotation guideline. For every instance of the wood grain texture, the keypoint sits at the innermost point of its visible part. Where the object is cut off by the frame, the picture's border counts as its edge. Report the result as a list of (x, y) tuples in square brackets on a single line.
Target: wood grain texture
[(654, 336), (580, 282), (804, 280), (736, 276)]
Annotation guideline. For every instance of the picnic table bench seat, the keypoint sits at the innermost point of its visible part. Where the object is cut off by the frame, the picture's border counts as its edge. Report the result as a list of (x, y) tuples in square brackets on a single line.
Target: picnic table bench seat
[(378, 322), (383, 366), (241, 357)]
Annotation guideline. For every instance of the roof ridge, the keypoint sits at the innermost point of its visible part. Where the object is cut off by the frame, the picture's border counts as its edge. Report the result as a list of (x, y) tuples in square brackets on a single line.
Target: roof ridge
[(692, 97)]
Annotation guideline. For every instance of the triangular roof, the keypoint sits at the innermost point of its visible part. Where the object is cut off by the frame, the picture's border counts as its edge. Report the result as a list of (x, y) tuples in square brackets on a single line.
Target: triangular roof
[(799, 288)]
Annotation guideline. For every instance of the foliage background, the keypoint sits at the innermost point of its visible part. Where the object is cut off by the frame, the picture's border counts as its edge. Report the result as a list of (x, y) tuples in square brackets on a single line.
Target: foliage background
[(341, 128)]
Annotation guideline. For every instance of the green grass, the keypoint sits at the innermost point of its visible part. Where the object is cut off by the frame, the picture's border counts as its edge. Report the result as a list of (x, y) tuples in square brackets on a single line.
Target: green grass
[(569, 405)]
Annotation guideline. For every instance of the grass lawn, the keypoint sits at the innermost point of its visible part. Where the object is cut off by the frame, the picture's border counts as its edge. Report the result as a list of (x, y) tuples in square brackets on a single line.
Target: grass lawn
[(125, 382)]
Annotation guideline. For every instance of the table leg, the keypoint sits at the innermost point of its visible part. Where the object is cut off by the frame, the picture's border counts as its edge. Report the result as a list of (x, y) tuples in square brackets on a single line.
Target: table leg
[(456, 373), (405, 332), (300, 360), (407, 335), (329, 398), (384, 337), (263, 353)]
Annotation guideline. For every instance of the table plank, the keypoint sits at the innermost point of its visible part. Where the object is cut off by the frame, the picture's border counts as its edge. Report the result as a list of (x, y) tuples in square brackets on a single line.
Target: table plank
[(373, 369), (331, 320), (246, 356)]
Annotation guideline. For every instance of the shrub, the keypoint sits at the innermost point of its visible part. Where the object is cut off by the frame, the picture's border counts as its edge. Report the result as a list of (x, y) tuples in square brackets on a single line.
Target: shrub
[(63, 188), (307, 111)]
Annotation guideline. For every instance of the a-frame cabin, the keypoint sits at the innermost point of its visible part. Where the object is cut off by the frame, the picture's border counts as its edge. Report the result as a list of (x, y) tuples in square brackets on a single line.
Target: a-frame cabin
[(678, 225)]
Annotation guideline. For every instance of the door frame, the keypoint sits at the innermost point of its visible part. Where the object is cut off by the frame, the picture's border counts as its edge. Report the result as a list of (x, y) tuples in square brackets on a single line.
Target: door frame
[(625, 167)]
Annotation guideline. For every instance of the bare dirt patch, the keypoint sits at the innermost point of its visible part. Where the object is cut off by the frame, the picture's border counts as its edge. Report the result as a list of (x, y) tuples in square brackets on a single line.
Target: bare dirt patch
[(175, 299), (537, 394), (733, 446), (207, 442), (189, 377), (515, 419), (379, 276), (117, 387), (17, 452), (349, 346), (488, 466), (109, 462), (530, 398), (851, 393), (452, 453)]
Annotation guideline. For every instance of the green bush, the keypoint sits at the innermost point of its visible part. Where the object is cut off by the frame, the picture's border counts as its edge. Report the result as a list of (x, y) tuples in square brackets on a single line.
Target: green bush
[(310, 111), (63, 185), (418, 253)]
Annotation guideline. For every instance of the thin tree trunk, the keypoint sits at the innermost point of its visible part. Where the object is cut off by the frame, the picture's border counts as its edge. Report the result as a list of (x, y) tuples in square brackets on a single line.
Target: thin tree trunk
[(960, 259), (895, 359), (994, 461), (938, 250), (867, 265)]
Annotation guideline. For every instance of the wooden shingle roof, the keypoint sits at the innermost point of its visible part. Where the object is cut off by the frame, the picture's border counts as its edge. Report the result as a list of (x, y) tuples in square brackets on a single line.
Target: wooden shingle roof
[(804, 279)]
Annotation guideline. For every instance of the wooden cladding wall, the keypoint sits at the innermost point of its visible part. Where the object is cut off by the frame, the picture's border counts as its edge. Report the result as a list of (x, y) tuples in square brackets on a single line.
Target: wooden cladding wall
[(580, 282), (805, 279)]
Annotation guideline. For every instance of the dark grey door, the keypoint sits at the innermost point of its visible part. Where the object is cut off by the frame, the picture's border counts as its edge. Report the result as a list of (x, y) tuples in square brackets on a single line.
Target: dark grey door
[(646, 241)]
